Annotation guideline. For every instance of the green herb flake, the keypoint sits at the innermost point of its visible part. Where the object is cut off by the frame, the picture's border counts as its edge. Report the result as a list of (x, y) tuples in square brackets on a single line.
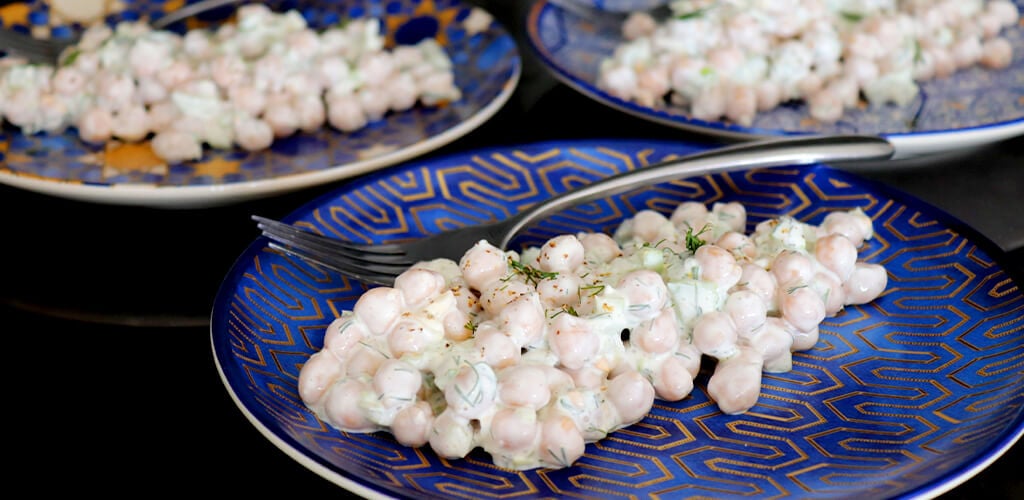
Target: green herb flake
[(531, 274), (693, 14), (693, 241), (853, 17), (562, 459), (374, 349), (71, 57), (795, 288), (565, 309)]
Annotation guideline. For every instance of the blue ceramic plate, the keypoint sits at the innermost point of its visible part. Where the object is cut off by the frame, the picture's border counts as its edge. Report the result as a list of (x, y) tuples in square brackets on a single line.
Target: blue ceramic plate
[(972, 107), (487, 70), (907, 396)]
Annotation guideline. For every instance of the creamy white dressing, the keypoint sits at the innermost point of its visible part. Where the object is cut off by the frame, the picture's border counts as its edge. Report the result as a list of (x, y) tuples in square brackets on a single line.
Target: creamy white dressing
[(531, 377)]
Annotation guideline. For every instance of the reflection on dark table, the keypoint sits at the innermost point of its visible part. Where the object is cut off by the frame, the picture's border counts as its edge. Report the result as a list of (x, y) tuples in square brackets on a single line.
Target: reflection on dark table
[(109, 310)]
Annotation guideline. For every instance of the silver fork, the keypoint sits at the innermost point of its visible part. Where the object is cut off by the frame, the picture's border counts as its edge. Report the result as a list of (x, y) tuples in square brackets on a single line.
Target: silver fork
[(49, 50), (380, 264)]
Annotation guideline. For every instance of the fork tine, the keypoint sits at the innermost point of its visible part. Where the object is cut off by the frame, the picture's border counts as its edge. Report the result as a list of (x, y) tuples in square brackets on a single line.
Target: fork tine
[(29, 47), (16, 44), (354, 249), (288, 234), (320, 245), (371, 273), (333, 260)]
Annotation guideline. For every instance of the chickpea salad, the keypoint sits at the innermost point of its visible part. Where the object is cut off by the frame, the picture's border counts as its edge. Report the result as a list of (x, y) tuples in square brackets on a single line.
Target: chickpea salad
[(733, 59), (244, 84), (531, 355)]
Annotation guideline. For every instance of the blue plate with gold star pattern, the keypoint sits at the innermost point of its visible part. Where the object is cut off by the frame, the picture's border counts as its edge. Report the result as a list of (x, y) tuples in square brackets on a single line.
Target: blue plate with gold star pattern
[(974, 106), (487, 68), (903, 397)]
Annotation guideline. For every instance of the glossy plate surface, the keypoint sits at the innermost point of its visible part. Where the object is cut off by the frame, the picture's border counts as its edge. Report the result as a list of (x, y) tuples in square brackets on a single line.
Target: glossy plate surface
[(487, 69), (907, 396), (973, 107)]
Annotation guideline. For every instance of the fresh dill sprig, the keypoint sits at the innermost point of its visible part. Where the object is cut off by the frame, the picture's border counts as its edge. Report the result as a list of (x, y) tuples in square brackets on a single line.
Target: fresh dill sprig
[(531, 274), (70, 58), (795, 288), (693, 241), (853, 17), (693, 14), (560, 458), (566, 308)]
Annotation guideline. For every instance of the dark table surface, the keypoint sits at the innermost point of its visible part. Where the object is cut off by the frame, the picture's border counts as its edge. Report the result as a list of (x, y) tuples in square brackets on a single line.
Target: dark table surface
[(116, 390)]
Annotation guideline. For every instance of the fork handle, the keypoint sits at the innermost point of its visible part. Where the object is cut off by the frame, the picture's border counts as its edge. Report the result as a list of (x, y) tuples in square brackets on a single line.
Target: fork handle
[(189, 10), (802, 150)]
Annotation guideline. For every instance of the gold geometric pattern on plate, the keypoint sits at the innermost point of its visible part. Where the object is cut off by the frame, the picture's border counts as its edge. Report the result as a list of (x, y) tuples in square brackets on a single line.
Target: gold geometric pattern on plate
[(895, 397)]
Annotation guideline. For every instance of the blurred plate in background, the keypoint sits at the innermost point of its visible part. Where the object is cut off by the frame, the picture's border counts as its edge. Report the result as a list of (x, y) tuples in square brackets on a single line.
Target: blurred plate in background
[(972, 107), (487, 68)]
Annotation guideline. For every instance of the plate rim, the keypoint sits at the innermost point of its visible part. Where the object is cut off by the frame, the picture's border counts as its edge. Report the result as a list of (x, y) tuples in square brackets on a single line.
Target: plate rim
[(1007, 437)]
